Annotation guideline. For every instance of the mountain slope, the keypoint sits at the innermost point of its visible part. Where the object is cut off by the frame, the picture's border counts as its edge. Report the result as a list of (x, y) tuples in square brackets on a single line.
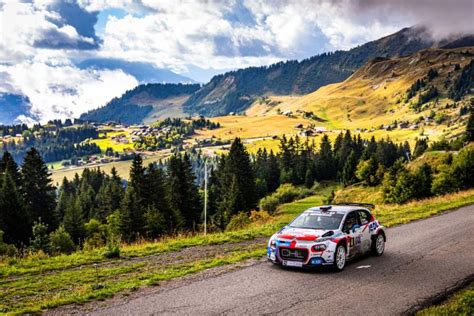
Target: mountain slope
[(144, 103), (381, 93), (235, 91)]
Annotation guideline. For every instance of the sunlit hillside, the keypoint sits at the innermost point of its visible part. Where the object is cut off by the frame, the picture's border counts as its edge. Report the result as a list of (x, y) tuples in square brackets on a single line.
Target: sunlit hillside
[(374, 101)]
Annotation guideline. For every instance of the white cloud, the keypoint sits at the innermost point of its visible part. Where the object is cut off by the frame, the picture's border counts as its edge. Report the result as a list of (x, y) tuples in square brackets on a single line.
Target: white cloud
[(173, 34), (64, 91)]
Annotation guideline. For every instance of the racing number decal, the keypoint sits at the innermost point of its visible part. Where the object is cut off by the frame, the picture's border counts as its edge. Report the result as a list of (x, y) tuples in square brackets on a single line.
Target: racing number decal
[(373, 226)]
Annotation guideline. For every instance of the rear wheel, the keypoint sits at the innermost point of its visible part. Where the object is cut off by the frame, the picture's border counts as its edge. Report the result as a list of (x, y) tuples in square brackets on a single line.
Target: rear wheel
[(339, 258), (378, 245)]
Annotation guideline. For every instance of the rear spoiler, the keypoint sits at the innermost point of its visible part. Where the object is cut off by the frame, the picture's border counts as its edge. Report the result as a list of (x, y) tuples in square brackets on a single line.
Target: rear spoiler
[(367, 205)]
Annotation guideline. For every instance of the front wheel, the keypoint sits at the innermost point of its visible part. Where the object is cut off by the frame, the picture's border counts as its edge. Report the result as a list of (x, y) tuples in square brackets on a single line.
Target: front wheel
[(378, 245), (339, 258)]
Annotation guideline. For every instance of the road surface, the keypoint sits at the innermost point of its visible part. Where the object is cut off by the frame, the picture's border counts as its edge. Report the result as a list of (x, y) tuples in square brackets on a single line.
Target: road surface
[(422, 259)]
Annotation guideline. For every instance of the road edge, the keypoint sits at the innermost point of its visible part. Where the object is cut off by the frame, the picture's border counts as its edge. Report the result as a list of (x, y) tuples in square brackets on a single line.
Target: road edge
[(439, 297)]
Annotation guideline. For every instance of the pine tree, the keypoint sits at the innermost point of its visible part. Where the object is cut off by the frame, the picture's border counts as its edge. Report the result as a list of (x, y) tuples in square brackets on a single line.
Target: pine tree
[(116, 190), (273, 173), (74, 221), (183, 194), (424, 179), (8, 165), (86, 197), (14, 220), (137, 176), (237, 168), (348, 172), (40, 239), (421, 146), (39, 194), (131, 215), (325, 163), (155, 193)]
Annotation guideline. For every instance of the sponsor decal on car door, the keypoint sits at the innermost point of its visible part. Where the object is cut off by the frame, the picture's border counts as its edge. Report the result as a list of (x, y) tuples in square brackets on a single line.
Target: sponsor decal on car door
[(366, 233)]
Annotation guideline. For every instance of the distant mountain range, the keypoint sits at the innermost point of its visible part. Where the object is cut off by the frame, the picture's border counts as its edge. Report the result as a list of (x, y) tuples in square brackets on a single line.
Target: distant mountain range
[(145, 103), (235, 91)]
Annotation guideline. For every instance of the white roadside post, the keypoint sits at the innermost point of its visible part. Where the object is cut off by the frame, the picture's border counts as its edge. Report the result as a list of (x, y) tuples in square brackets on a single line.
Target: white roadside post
[(205, 197)]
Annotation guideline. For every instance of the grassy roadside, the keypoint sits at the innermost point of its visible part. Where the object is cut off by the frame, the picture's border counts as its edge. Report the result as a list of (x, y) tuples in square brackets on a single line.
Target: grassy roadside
[(394, 214), (461, 303), (39, 282)]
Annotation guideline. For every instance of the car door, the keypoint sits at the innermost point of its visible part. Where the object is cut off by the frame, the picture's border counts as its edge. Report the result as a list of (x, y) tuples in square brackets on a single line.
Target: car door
[(353, 231), (366, 241)]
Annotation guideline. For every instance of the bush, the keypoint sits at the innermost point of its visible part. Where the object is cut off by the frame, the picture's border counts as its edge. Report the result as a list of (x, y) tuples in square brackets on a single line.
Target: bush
[(443, 183), (96, 233), (111, 251), (113, 236), (40, 240), (93, 227), (369, 171), (260, 216), (61, 241), (269, 204), (6, 249), (463, 167), (286, 193), (155, 223), (239, 221), (93, 242)]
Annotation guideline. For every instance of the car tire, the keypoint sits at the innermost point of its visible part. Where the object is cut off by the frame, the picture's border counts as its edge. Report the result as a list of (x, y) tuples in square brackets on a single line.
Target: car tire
[(339, 258), (378, 245)]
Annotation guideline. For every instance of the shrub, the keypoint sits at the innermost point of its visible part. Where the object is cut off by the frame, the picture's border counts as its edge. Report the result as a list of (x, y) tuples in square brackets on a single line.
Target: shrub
[(463, 167), (239, 221), (93, 227), (269, 204), (424, 179), (286, 193), (61, 241), (113, 236), (40, 240), (96, 233), (260, 216), (6, 249), (443, 183), (369, 171), (399, 185), (155, 223), (111, 251)]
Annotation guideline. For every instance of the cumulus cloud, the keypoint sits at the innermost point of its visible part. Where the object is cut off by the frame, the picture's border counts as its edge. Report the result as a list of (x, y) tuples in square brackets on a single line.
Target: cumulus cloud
[(442, 18), (63, 91), (40, 39)]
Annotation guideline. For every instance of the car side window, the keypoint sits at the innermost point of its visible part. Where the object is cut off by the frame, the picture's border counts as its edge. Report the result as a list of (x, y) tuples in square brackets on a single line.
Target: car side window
[(364, 217), (350, 221)]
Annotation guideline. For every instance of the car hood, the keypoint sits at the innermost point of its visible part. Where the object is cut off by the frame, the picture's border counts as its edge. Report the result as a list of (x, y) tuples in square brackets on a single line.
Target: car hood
[(300, 234)]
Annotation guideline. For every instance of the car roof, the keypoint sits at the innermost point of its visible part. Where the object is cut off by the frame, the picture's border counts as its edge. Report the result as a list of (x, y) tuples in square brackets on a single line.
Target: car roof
[(338, 208)]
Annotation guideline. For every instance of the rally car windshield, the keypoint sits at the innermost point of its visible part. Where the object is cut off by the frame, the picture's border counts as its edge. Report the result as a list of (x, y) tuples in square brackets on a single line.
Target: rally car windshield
[(313, 220)]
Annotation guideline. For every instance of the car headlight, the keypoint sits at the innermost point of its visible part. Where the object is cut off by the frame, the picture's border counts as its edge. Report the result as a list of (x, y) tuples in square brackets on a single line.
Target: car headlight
[(317, 248), (272, 243)]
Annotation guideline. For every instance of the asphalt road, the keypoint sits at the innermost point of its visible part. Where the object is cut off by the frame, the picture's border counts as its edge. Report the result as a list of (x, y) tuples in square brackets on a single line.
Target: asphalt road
[(422, 259)]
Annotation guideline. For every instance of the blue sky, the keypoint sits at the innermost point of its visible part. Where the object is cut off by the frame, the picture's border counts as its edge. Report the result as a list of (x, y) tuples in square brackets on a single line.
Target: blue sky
[(43, 42)]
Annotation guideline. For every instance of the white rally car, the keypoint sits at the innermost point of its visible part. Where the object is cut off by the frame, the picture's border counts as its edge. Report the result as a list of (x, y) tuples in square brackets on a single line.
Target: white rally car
[(328, 235)]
